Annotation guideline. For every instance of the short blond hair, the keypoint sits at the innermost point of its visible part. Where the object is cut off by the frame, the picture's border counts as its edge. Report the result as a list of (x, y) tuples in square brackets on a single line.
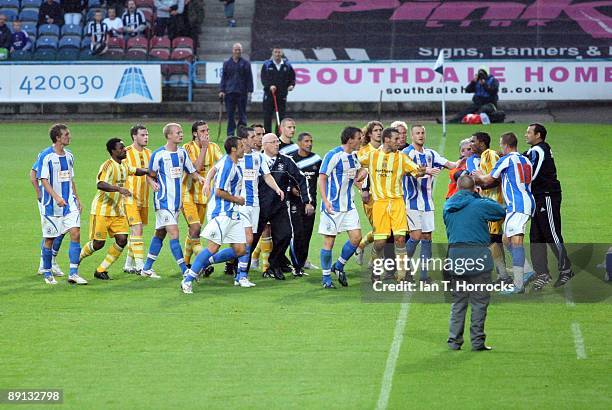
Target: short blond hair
[(398, 123), (168, 128)]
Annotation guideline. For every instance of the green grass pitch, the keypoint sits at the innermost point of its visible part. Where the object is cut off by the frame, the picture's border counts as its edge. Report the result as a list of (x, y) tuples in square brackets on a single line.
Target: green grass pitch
[(137, 343)]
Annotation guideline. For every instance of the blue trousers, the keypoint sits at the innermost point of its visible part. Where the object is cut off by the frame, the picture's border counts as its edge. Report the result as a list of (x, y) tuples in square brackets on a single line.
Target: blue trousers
[(233, 101)]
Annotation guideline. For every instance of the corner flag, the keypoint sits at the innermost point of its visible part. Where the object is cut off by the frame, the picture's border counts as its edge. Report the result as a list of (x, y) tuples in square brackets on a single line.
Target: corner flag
[(439, 66)]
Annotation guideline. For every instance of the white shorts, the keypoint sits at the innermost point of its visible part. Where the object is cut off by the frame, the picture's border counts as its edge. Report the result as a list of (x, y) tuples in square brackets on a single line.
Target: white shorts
[(164, 217), (223, 229), (339, 222), (54, 226), (250, 217), (514, 224), (420, 220)]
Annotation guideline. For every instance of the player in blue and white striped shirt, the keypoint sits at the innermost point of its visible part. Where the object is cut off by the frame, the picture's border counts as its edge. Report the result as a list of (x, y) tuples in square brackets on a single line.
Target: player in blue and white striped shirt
[(60, 207), (57, 242), (418, 195), (515, 172), (339, 172), (166, 168), (224, 224)]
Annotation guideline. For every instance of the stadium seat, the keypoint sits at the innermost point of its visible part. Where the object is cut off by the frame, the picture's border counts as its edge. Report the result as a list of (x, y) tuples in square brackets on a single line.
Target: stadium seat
[(183, 43), (11, 14), (93, 4), (114, 54), (20, 55), (85, 43), (29, 28), (86, 55), (136, 54), (28, 15), (72, 30), (49, 30), (44, 55), (160, 42), (68, 54), (46, 42), (159, 54), (145, 3), (115, 43), (180, 55), (70, 42), (33, 4), (139, 42), (9, 4)]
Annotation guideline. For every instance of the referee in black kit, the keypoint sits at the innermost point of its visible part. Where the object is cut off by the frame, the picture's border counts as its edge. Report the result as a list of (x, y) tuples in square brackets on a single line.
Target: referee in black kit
[(286, 174), (546, 222), (309, 163)]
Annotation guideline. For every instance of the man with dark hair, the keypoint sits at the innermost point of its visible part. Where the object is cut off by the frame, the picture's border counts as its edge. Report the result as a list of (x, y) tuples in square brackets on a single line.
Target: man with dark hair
[(309, 163), (515, 172), (60, 207), (339, 172), (137, 204), (483, 159), (485, 88), (386, 168), (466, 216), (225, 225), (107, 208), (277, 78), (546, 222), (236, 87), (286, 174), (50, 12)]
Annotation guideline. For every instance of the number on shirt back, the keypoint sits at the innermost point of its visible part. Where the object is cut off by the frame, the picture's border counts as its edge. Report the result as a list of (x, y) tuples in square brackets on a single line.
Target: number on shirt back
[(524, 171)]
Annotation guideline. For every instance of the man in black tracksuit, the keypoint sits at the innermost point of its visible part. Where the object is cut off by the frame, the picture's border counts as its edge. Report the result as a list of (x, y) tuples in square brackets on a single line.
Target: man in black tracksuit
[(276, 212), (278, 77), (546, 222), (309, 163)]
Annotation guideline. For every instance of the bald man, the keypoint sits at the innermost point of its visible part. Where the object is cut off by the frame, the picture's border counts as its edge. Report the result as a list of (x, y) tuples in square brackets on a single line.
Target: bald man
[(236, 87), (467, 216), (286, 174)]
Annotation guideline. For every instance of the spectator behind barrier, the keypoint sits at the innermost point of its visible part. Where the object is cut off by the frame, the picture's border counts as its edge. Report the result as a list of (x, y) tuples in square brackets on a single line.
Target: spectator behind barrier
[(50, 12), (114, 24), (170, 17), (20, 39), (98, 31), (73, 11), (5, 38), (133, 20)]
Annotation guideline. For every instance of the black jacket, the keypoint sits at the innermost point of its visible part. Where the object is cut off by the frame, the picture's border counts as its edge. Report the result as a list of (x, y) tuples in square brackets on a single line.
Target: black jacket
[(72, 6), (286, 174), (282, 79), (309, 166), (544, 175), (5, 37), (53, 10)]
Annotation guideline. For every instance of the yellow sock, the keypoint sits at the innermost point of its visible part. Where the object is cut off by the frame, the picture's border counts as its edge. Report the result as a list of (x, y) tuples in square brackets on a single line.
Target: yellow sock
[(113, 253), (188, 250), (369, 238), (137, 247), (87, 250), (266, 248), (257, 250), (197, 246)]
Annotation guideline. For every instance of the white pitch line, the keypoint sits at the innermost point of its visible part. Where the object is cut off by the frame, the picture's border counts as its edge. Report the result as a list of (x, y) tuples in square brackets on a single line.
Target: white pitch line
[(398, 337), (578, 342)]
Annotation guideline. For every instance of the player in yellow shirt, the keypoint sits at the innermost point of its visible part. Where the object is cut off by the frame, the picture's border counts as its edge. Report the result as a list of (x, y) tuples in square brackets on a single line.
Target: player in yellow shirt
[(484, 159), (107, 209), (372, 134), (204, 154), (386, 168), (137, 204)]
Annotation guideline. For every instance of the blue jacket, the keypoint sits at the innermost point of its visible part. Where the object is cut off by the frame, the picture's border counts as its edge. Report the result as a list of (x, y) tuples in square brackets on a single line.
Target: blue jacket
[(236, 77), (466, 216), (484, 93)]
